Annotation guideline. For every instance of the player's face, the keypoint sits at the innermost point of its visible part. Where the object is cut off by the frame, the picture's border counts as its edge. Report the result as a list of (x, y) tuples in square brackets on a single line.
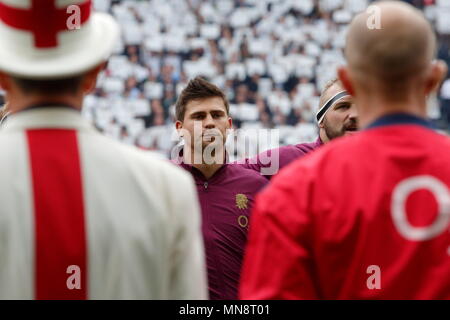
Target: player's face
[(206, 121), (341, 119)]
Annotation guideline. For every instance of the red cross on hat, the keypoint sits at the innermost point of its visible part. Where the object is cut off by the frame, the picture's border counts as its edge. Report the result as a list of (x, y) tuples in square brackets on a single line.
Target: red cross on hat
[(43, 19)]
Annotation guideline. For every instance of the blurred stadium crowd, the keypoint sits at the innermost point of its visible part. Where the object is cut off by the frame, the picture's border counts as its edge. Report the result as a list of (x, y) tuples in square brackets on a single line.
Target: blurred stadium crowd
[(271, 57)]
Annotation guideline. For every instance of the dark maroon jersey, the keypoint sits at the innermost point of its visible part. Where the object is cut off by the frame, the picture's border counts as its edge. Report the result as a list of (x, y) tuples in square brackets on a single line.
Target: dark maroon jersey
[(226, 200)]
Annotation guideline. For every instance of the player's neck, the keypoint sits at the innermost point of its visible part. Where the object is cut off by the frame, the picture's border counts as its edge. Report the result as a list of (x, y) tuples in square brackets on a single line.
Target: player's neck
[(372, 109), (207, 164), (323, 136), (208, 170), (18, 103)]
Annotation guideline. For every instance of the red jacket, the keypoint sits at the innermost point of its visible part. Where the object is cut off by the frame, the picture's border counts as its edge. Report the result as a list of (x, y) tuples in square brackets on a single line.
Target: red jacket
[(364, 217)]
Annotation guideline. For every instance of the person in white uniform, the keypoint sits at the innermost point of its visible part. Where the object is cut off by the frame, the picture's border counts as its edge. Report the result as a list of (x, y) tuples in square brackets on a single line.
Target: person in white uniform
[(82, 216)]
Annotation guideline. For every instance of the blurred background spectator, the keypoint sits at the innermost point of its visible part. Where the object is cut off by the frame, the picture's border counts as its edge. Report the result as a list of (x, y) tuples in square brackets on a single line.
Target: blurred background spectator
[(271, 57)]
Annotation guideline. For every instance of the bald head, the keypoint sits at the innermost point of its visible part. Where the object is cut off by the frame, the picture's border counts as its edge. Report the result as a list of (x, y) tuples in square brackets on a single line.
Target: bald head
[(401, 46), (390, 50)]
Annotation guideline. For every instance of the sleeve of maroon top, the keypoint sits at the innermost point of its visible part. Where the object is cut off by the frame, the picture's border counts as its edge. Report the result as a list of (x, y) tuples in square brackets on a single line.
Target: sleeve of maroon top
[(267, 163), (255, 162), (278, 259)]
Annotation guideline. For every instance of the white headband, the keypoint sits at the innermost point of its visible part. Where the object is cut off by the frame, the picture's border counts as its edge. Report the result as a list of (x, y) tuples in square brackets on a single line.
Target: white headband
[(326, 106)]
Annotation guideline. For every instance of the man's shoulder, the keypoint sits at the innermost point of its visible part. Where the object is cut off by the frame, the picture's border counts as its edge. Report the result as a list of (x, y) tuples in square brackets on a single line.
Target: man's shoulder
[(244, 173), (236, 169), (308, 146), (289, 153), (362, 149), (295, 149), (331, 154), (342, 162)]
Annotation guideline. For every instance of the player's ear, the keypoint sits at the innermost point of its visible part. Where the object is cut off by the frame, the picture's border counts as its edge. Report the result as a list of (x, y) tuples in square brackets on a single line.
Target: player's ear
[(344, 77), (437, 72), (90, 78), (321, 125), (180, 130), (5, 81), (230, 123)]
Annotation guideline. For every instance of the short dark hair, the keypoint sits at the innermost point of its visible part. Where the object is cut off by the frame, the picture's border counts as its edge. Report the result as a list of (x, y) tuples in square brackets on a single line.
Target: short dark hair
[(198, 89), (50, 87)]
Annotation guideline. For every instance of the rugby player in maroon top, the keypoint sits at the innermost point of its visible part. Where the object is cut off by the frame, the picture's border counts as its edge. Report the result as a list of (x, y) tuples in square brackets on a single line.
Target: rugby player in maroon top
[(226, 191), (366, 216), (336, 117)]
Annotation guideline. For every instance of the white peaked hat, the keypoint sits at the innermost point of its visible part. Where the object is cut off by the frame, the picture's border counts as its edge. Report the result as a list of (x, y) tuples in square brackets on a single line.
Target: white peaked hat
[(49, 39)]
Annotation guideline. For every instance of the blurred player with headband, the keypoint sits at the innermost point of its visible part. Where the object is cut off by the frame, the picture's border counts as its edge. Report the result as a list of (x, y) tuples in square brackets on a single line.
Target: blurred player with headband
[(336, 117)]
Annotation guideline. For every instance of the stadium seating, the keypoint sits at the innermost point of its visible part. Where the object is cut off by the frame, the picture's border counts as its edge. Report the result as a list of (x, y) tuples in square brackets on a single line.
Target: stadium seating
[(271, 57)]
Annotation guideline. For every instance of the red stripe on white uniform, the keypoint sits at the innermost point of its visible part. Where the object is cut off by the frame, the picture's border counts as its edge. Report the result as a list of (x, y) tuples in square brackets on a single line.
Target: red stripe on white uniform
[(59, 213)]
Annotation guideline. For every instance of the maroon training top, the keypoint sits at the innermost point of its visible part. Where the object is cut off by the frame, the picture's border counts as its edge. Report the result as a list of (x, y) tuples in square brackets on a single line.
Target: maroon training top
[(226, 200)]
